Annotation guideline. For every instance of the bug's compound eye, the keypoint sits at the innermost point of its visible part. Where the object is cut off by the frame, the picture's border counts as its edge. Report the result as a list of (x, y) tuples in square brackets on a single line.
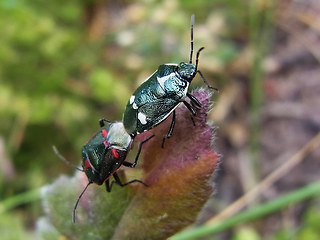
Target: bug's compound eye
[(186, 70)]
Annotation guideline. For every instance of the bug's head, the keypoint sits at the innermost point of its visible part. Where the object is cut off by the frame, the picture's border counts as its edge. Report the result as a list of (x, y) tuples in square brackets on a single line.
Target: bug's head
[(187, 71)]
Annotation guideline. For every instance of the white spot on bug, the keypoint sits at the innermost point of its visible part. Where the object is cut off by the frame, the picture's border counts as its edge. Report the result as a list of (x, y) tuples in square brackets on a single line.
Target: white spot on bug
[(186, 90), (162, 80), (132, 99), (142, 118), (134, 106)]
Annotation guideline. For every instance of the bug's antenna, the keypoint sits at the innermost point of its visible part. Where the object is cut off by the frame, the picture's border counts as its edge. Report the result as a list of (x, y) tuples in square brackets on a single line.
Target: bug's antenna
[(191, 43), (197, 71), (76, 205), (197, 57), (62, 158)]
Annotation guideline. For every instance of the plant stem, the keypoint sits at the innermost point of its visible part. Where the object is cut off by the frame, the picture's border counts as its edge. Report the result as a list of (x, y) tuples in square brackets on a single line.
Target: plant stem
[(19, 199), (259, 40), (301, 194)]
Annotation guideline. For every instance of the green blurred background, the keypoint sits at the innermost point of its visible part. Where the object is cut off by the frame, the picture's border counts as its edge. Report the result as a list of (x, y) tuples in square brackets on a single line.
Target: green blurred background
[(66, 64)]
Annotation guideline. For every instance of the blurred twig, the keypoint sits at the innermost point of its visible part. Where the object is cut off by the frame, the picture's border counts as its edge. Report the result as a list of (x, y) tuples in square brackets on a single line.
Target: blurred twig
[(309, 20), (301, 39), (305, 192), (268, 181), (259, 42)]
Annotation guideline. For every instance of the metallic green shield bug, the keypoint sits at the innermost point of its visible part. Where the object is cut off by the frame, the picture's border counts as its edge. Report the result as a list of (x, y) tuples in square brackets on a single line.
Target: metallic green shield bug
[(158, 97)]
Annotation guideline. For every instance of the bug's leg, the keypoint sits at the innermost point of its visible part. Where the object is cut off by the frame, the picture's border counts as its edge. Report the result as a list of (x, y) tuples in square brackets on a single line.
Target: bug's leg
[(190, 108), (108, 185), (170, 129), (62, 158), (129, 164), (193, 122), (102, 121), (118, 181), (76, 205), (205, 81), (194, 101)]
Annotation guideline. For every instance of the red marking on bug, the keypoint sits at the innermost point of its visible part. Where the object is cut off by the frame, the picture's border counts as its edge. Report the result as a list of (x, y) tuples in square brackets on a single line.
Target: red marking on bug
[(86, 165), (104, 133), (115, 153)]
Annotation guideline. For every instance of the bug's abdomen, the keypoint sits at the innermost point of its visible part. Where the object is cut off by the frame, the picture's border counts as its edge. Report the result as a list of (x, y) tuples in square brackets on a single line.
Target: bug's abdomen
[(149, 115), (148, 93)]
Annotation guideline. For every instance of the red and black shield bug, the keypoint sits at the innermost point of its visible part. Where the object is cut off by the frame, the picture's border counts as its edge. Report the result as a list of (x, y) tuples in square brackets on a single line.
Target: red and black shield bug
[(103, 154)]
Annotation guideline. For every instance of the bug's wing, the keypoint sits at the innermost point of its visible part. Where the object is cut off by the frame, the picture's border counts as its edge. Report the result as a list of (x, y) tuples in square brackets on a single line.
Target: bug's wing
[(150, 92), (153, 113), (95, 154), (111, 162)]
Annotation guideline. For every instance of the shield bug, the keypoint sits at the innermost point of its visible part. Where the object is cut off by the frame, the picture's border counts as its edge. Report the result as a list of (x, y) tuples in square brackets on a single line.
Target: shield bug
[(158, 97), (103, 154)]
